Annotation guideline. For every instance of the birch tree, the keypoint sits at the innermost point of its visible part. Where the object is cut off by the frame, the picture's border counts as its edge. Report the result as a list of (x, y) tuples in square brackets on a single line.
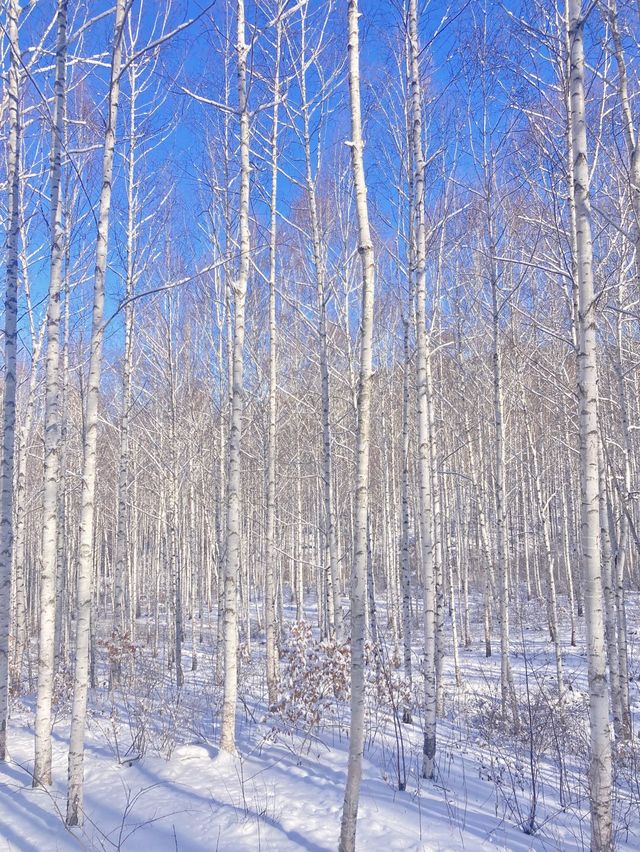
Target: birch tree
[(46, 648), (424, 441), (270, 602), (600, 760), (87, 521), (10, 346), (232, 562), (359, 569)]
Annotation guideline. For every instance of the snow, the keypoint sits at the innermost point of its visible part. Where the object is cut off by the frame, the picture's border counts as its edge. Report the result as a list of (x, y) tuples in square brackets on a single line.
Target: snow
[(203, 800), (283, 791)]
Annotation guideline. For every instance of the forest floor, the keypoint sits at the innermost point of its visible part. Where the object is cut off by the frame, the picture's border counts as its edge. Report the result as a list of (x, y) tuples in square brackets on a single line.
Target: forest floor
[(155, 779)]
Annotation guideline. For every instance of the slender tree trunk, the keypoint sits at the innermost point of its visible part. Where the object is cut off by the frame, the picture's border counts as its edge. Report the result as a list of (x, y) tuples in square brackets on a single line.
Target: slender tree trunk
[(232, 564), (600, 764), (566, 550), (63, 581), (507, 690), (87, 519), (299, 569), (270, 602), (174, 551), (124, 475), (46, 650), (438, 546), (10, 342), (424, 471), (626, 499), (608, 589), (20, 562), (404, 555), (359, 570)]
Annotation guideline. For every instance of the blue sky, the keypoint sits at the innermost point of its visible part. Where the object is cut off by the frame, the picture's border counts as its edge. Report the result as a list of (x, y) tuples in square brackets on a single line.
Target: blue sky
[(193, 60)]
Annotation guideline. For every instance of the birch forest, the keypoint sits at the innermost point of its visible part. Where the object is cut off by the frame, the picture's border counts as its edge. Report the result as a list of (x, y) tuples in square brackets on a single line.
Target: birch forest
[(320, 442)]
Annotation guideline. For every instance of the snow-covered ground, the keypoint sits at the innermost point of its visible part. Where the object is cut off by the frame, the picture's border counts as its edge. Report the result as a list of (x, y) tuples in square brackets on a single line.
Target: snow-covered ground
[(155, 780)]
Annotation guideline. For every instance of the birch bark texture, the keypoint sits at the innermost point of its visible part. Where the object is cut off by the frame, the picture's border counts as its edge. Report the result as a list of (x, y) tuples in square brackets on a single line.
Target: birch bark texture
[(232, 564), (405, 559), (46, 647), (124, 473), (20, 571), (87, 517), (269, 579), (10, 345), (359, 568), (600, 759), (424, 445)]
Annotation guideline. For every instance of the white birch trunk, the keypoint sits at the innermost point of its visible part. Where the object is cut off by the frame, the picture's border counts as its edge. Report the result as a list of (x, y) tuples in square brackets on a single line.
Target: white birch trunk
[(626, 498), (174, 552), (600, 760), (20, 562), (270, 601), (10, 341), (507, 690), (124, 475), (404, 554), (87, 517), (63, 582), (359, 569), (46, 648), (424, 471), (232, 564), (608, 589)]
